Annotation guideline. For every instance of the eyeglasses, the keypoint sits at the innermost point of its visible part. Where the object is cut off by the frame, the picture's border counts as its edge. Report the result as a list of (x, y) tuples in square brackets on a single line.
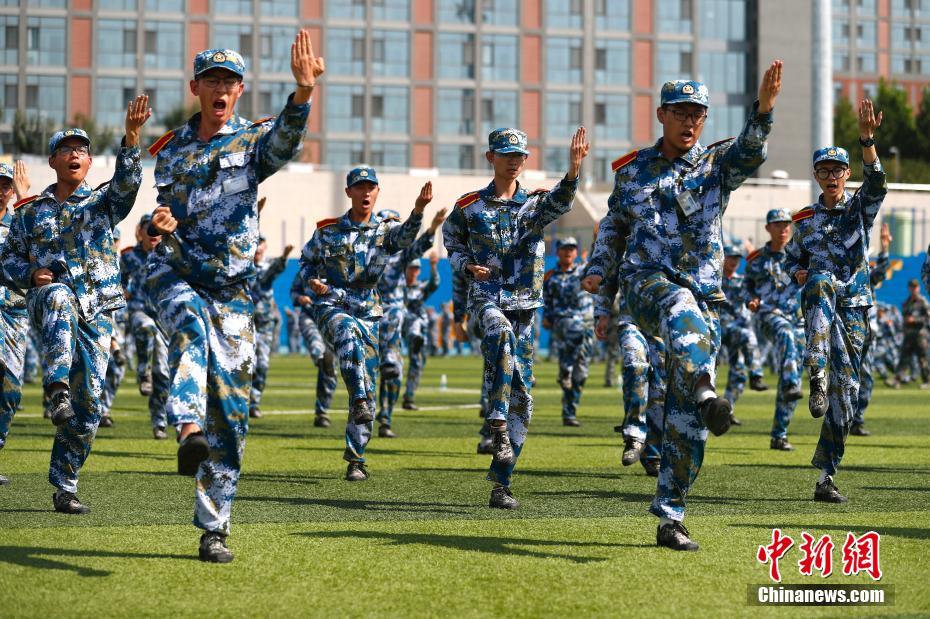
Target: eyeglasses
[(214, 82), (681, 116), (825, 173), (67, 150)]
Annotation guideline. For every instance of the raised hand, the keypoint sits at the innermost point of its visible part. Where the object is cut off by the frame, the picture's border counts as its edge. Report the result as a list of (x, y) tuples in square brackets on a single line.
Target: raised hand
[(886, 237), (137, 112), (577, 152), (433, 258), (261, 203), (20, 179), (305, 65), (163, 221), (771, 86), (438, 218), (869, 121), (425, 197), (287, 250), (318, 287)]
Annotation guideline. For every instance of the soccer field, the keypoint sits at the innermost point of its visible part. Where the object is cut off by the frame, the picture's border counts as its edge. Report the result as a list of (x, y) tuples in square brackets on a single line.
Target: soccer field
[(418, 539)]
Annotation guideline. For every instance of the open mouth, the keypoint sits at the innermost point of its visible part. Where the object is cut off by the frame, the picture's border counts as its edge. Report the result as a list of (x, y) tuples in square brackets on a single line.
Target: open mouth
[(687, 135), (366, 202), (74, 166), (219, 105)]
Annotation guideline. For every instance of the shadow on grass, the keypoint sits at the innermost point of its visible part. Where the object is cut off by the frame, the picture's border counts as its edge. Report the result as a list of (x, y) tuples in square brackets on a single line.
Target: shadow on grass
[(492, 545), (908, 532), (526, 472), (843, 468), (412, 452), (36, 557), (132, 454), (363, 505)]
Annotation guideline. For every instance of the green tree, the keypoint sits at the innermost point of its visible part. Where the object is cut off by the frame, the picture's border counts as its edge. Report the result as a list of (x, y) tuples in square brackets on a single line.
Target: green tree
[(845, 125), (922, 125), (178, 116), (898, 128), (31, 134), (102, 139)]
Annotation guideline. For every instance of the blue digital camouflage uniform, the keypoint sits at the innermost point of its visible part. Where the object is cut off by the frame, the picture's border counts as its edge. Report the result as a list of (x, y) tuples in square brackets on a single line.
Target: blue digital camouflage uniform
[(141, 326), (832, 245), (14, 322), (320, 353), (262, 292), (74, 314), (878, 272), (31, 363), (506, 236), (350, 258), (116, 367), (417, 328), (570, 311), (925, 272), (915, 338), (672, 270), (738, 336), (445, 329), (198, 279), (781, 323), (391, 286)]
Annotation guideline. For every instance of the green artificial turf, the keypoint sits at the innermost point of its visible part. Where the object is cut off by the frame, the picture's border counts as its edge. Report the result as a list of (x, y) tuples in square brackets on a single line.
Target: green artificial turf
[(418, 539)]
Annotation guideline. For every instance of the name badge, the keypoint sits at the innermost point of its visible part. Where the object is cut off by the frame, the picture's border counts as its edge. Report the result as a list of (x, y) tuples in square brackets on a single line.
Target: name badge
[(852, 240), (236, 184), (689, 206)]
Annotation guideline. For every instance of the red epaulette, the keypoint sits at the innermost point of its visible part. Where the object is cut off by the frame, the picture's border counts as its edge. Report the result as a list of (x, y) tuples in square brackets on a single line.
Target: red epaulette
[(755, 254), (24, 201), (803, 214), (160, 143), (548, 274), (622, 161), (327, 222), (126, 250), (262, 121), (468, 198), (719, 142)]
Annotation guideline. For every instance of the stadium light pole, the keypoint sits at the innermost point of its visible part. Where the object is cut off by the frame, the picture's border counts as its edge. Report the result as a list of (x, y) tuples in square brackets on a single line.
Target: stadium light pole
[(822, 77)]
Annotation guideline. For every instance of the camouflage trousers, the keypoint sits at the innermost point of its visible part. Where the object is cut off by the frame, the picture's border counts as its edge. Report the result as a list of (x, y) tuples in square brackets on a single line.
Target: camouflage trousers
[(915, 344), (642, 366), (211, 354), (866, 377), (391, 354), (114, 378), (742, 350), (577, 346), (416, 327), (15, 326), (264, 343), (32, 362), (355, 342), (74, 352), (787, 339), (690, 329), (323, 359), (612, 354), (144, 331), (507, 346)]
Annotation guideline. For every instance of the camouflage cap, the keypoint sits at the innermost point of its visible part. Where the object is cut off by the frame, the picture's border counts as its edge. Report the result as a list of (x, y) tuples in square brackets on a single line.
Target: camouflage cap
[(506, 140), (116, 234), (361, 173), (6, 170), (219, 59), (388, 213), (414, 264), (732, 250), (776, 215), (64, 134), (832, 153), (685, 91), (146, 218), (568, 241)]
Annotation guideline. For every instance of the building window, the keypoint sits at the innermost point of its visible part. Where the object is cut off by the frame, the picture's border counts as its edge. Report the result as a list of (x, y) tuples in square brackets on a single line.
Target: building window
[(9, 39), (49, 4), (841, 62), (116, 43), (455, 112), (457, 11), (563, 60), (345, 52), (723, 20), (455, 157), (344, 155), (865, 7), (840, 32), (164, 45), (390, 155), (555, 159), (723, 122), (237, 37), (9, 96), (840, 6), (865, 63), (45, 97), (279, 8), (612, 15), (232, 7), (457, 55), (563, 14), (165, 95), (275, 48), (345, 108), (602, 160), (390, 109), (272, 96), (498, 109), (390, 53), (500, 12), (45, 41), (118, 5), (612, 117), (164, 6), (674, 16), (612, 62), (866, 35), (563, 114), (499, 58), (111, 96), (390, 10), (673, 61), (723, 71), (346, 9)]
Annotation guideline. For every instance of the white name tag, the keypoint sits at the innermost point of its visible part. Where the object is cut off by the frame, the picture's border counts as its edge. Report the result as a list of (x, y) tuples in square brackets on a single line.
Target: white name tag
[(852, 240), (236, 184), (689, 206)]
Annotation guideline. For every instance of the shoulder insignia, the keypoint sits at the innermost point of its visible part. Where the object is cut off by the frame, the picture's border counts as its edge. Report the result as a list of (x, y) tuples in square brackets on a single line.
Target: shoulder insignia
[(755, 254), (262, 121), (468, 198), (622, 161), (25, 201), (719, 142), (160, 143), (327, 222), (803, 214), (548, 274), (126, 250)]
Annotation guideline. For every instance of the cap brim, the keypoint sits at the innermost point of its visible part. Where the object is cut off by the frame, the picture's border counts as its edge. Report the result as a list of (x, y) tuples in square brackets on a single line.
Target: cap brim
[(219, 66), (511, 149), (779, 220), (684, 100), (68, 137), (363, 180), (828, 158)]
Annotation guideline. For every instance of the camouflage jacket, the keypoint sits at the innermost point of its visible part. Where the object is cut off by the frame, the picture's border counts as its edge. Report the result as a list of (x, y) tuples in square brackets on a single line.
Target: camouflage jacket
[(684, 241), (767, 279), (506, 236), (211, 188), (836, 241), (415, 296), (733, 310), (262, 289), (925, 272), (131, 259), (563, 296), (133, 272), (918, 310), (350, 258), (74, 239), (391, 285), (11, 297), (459, 296)]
